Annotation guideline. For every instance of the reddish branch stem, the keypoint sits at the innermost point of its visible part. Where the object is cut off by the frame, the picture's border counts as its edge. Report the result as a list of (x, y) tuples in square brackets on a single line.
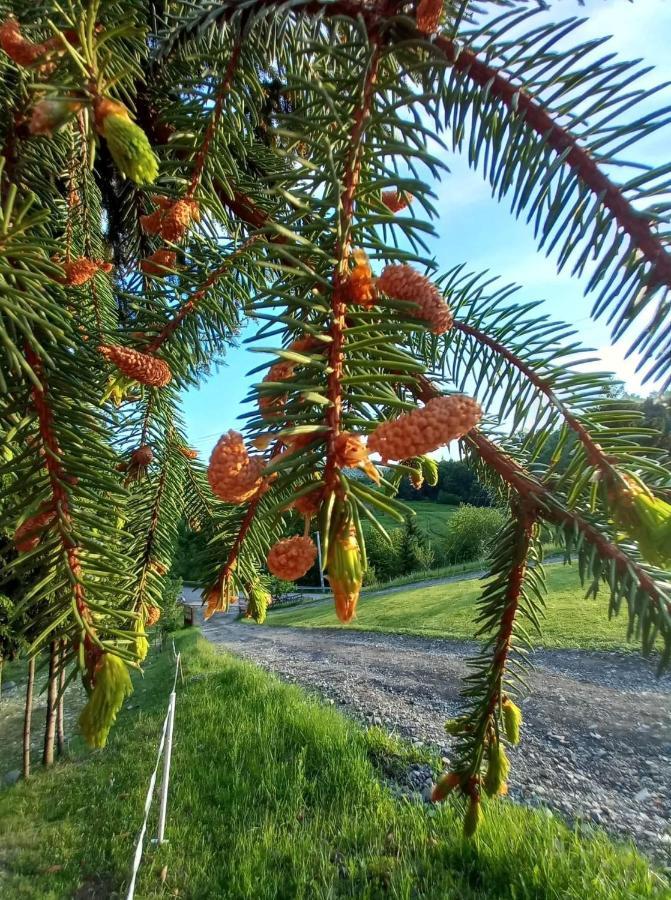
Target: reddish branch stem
[(338, 297), (201, 156), (483, 717), (57, 478), (191, 304), (595, 454), (242, 534), (561, 140), (525, 526)]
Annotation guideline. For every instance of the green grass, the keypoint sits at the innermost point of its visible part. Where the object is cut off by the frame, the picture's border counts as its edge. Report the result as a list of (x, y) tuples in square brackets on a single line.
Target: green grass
[(431, 517), (448, 610), (275, 795)]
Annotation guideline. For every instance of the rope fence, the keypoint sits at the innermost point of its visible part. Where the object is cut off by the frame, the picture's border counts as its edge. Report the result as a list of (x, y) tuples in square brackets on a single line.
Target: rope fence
[(165, 751)]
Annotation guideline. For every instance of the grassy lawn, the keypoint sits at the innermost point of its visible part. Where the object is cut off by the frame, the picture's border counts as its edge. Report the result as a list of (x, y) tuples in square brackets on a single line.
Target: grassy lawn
[(447, 611), (275, 795), (431, 517)]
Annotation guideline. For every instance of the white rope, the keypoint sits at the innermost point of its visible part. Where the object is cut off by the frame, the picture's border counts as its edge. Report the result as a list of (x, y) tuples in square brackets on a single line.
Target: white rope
[(137, 857), (178, 670), (165, 781)]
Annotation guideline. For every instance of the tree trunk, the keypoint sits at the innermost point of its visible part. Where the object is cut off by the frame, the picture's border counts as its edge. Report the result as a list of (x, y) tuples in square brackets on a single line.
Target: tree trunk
[(27, 716), (60, 729), (50, 725)]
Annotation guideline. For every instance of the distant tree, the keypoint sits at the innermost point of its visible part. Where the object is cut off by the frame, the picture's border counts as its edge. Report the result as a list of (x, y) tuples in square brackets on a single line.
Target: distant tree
[(415, 552), (455, 478), (384, 556)]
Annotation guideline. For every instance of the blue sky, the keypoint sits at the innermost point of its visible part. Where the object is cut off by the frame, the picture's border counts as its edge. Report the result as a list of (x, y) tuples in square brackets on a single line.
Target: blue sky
[(477, 230)]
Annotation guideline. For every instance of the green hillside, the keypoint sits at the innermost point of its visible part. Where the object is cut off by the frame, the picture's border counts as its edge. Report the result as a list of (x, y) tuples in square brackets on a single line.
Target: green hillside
[(431, 517)]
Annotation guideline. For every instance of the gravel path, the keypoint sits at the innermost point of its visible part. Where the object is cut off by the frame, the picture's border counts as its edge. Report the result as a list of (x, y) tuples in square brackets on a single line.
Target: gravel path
[(597, 736)]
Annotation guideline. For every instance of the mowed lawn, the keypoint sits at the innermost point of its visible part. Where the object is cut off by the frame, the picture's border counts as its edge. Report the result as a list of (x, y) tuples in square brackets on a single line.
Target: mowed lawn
[(448, 610), (276, 796), (432, 518)]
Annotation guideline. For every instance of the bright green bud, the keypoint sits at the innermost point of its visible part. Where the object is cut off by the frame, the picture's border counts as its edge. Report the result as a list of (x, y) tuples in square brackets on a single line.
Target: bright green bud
[(141, 642), (130, 149), (429, 470), (645, 519), (112, 686), (258, 601), (473, 817), (652, 531), (512, 720), (345, 568), (498, 767)]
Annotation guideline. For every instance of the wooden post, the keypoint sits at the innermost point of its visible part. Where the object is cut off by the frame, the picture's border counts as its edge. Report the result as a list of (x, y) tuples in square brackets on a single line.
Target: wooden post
[(50, 724), (27, 716), (60, 727)]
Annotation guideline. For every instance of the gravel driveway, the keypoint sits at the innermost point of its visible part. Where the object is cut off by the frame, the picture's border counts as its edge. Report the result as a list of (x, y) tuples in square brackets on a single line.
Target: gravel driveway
[(597, 736)]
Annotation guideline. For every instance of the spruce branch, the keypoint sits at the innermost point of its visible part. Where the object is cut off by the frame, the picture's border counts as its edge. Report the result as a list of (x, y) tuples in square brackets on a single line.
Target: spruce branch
[(210, 131), (651, 600), (190, 306), (511, 589), (595, 454), (566, 145), (654, 592), (58, 479), (336, 349)]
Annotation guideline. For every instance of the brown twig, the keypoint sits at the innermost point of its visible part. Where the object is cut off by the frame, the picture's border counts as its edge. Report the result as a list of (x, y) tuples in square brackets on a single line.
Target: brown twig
[(246, 523), (526, 521), (189, 306), (145, 563), (595, 454), (222, 91), (57, 478), (561, 140), (527, 516), (342, 251)]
